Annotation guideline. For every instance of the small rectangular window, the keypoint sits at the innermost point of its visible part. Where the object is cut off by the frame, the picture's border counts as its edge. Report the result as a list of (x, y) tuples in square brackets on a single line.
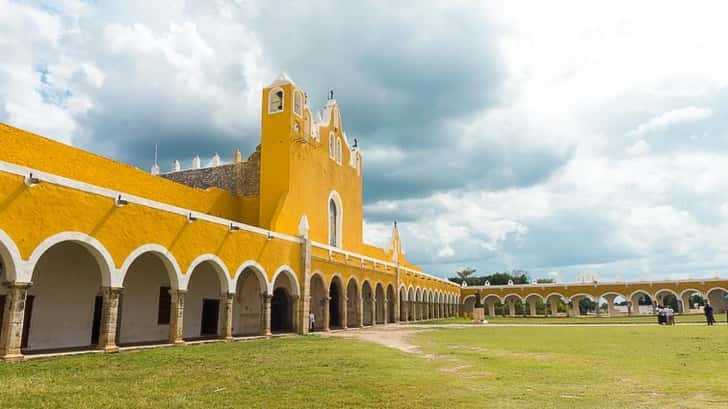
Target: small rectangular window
[(165, 306)]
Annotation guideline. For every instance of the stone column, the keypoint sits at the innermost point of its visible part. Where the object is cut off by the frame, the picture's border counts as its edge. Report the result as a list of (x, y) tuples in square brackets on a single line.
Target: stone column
[(491, 308), (532, 308), (385, 311), (523, 306), (226, 332), (327, 303), (295, 312), (266, 314), (686, 303), (109, 319), (554, 304), (373, 308), (511, 309), (575, 307), (11, 328), (343, 312), (176, 316), (598, 311), (360, 310), (611, 312), (305, 305)]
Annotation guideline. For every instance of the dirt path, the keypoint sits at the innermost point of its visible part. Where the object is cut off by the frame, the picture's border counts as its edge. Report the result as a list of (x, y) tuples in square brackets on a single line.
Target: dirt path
[(391, 336)]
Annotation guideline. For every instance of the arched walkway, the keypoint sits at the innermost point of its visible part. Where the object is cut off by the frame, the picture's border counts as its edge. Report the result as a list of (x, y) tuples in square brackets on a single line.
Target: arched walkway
[(284, 303), (411, 304), (145, 303), (318, 303), (469, 305), (379, 305), (716, 298), (640, 303), (391, 300), (353, 305), (691, 300), (63, 307), (403, 305), (248, 309), (205, 300), (337, 307), (367, 297)]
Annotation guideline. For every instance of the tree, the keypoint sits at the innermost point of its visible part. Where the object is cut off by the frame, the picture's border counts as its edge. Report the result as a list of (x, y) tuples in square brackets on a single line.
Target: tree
[(545, 281), (466, 275)]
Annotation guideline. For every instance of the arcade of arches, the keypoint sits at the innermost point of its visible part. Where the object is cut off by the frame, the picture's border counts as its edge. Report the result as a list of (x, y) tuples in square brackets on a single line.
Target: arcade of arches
[(609, 299), (68, 303)]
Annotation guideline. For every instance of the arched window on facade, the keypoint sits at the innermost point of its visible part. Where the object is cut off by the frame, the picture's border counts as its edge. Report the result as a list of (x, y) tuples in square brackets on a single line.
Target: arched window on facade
[(332, 151), (333, 223), (298, 102), (275, 100)]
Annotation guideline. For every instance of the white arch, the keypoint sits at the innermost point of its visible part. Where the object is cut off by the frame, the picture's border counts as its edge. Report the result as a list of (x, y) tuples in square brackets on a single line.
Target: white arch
[(291, 274), (11, 257), (334, 195), (497, 297), (707, 293), (612, 293), (418, 294), (512, 294), (687, 290), (343, 282), (536, 294), (165, 256), (652, 296), (98, 251), (561, 296), (258, 270), (669, 291), (589, 296), (217, 264), (320, 275), (283, 100), (468, 297)]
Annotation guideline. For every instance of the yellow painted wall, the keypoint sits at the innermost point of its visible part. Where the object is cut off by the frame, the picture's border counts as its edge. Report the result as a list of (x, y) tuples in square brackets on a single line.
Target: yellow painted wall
[(31, 215), (297, 175)]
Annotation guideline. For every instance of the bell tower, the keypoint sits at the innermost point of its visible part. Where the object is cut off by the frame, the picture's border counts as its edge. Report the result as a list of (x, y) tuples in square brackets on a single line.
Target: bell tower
[(276, 126)]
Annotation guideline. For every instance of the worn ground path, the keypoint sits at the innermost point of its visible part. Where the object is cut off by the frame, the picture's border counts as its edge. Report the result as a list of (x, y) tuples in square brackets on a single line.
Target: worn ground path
[(399, 336)]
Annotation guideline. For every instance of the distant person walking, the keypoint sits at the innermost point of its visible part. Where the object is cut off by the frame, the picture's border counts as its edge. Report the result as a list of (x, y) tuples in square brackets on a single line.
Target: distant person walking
[(708, 309), (311, 321)]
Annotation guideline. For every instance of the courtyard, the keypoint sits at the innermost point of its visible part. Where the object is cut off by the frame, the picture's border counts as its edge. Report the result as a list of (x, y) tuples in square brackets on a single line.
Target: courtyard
[(455, 366)]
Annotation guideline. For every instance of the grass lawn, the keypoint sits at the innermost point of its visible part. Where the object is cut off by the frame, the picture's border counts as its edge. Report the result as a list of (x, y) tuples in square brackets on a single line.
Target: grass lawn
[(641, 319), (505, 367)]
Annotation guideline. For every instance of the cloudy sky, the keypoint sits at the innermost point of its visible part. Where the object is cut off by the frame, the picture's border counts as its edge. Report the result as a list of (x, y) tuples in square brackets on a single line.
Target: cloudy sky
[(562, 138)]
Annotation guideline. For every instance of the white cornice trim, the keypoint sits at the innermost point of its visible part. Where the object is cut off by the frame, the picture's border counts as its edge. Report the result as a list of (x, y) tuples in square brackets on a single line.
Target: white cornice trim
[(137, 200)]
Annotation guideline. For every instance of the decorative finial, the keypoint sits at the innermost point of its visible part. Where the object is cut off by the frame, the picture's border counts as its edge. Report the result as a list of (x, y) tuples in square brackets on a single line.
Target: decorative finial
[(155, 169), (331, 94), (395, 224), (356, 143)]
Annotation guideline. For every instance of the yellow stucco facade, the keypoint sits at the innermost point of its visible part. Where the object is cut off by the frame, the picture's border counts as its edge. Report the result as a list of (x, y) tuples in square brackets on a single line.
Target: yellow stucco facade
[(305, 221)]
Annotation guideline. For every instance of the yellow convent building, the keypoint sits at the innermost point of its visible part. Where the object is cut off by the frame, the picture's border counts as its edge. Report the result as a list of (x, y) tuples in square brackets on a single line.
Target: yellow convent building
[(95, 254)]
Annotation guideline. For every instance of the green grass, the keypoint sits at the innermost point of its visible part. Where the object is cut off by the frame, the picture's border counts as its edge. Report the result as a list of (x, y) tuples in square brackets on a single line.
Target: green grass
[(505, 367), (642, 319)]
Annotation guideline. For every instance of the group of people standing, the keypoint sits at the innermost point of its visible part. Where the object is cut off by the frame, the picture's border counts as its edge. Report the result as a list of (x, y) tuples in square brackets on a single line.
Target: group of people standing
[(665, 315)]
